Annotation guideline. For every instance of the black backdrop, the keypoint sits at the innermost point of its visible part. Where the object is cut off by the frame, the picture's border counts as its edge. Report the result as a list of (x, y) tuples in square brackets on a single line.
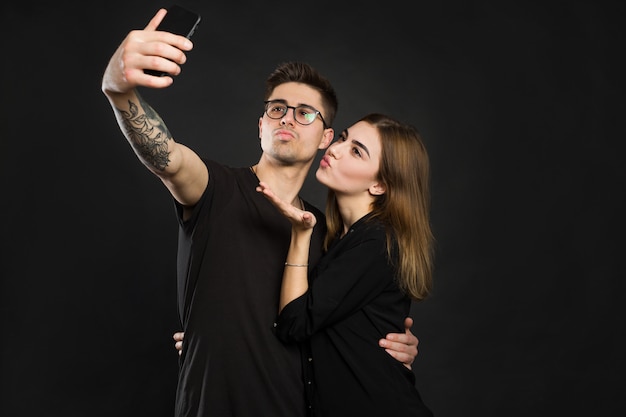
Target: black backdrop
[(521, 105)]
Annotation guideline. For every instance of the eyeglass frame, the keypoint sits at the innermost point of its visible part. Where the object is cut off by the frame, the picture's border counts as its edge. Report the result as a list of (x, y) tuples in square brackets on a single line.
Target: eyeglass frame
[(317, 112)]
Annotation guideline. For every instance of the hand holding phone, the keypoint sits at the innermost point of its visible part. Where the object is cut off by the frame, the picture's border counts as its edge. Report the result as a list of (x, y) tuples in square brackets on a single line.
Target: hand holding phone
[(179, 21)]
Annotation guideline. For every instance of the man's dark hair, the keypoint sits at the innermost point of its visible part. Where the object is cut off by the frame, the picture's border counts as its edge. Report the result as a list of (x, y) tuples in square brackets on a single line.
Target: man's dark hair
[(300, 72)]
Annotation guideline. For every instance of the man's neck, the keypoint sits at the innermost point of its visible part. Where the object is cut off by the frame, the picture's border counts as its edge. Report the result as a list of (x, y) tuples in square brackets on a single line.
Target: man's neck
[(285, 181)]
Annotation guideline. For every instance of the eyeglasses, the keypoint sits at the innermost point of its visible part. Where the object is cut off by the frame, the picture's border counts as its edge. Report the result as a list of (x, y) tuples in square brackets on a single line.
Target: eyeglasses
[(305, 115)]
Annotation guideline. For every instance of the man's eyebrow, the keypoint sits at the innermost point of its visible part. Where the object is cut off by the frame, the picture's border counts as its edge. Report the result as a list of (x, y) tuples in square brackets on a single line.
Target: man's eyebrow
[(283, 101)]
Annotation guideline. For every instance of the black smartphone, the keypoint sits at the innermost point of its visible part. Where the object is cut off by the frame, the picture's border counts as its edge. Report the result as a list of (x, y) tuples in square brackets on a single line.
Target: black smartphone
[(180, 21)]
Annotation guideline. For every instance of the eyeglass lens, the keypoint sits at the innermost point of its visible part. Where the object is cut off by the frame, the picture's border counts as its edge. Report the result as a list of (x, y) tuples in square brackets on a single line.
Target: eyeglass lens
[(303, 114)]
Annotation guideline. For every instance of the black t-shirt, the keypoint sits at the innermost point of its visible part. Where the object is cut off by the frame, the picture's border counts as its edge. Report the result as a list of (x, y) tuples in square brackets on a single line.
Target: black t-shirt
[(230, 264)]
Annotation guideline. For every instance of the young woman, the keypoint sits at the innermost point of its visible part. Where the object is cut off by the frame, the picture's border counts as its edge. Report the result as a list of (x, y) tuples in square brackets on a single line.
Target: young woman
[(378, 257)]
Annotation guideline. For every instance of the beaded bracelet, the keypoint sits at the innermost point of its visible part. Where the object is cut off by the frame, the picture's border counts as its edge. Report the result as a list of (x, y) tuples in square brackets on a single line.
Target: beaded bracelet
[(288, 264)]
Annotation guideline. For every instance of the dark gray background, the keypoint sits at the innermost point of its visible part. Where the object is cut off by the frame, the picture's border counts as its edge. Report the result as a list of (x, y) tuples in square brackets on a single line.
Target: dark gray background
[(521, 105)]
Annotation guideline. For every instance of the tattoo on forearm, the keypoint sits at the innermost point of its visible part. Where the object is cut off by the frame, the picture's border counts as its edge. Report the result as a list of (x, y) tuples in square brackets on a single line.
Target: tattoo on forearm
[(147, 133)]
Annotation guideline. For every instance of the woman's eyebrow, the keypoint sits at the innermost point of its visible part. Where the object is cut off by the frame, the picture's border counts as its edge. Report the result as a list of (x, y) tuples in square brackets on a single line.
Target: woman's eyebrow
[(360, 145)]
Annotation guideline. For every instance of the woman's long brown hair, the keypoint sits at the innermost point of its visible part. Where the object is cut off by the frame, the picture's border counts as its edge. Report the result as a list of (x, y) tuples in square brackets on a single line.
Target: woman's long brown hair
[(405, 206)]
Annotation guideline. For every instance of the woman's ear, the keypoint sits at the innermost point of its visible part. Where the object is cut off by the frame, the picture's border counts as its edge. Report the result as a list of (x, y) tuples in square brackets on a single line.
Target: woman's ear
[(377, 188)]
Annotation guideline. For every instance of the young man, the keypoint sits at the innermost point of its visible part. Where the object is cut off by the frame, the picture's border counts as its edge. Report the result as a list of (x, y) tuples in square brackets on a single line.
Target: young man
[(232, 242)]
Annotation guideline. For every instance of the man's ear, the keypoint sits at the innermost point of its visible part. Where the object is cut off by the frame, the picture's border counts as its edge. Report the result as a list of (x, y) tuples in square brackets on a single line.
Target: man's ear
[(260, 126), (327, 139), (377, 188)]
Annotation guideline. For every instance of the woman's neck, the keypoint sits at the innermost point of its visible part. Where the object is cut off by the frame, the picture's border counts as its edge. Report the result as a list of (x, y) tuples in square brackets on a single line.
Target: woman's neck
[(352, 208)]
